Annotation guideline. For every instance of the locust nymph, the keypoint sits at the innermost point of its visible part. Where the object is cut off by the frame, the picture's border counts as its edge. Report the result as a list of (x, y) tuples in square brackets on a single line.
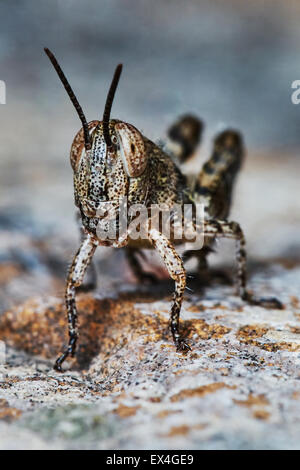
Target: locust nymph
[(112, 162)]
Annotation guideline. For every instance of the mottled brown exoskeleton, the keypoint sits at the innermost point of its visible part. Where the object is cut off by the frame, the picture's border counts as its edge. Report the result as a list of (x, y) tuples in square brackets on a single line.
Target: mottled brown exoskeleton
[(111, 160)]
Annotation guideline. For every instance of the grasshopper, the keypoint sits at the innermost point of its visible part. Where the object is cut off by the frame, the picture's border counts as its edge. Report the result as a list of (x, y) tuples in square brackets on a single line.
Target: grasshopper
[(111, 160)]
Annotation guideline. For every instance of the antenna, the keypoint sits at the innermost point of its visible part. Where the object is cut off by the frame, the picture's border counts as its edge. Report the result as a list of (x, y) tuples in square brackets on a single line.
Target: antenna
[(60, 73), (108, 104)]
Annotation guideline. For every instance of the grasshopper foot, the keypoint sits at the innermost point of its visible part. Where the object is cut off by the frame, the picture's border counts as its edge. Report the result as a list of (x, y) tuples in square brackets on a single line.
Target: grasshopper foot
[(182, 345), (70, 351), (59, 361)]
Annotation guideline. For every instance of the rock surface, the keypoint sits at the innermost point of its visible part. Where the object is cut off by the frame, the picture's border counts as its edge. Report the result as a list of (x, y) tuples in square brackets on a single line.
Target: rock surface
[(239, 388), (128, 388)]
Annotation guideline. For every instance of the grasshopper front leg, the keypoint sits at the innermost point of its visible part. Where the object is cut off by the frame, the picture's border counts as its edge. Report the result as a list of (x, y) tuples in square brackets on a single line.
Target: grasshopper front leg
[(90, 279), (175, 267), (75, 277)]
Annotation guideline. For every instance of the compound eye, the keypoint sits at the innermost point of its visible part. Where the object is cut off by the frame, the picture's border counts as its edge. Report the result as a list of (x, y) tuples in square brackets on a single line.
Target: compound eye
[(132, 148), (114, 139)]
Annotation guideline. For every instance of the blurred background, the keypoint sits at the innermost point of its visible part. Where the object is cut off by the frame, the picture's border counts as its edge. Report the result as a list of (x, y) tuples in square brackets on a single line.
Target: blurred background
[(230, 62)]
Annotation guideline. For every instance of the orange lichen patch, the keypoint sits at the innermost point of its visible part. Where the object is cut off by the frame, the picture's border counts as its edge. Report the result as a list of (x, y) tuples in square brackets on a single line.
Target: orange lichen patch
[(196, 308), (296, 395), (164, 413), (8, 271), (199, 391), (223, 371), (250, 333), (165, 346), (203, 329), (292, 347), (194, 356), (181, 371), (230, 355), (183, 430), (295, 301), (295, 329), (191, 372), (257, 404), (253, 400), (154, 399), (261, 414), (39, 327), (8, 413), (178, 431), (126, 411)]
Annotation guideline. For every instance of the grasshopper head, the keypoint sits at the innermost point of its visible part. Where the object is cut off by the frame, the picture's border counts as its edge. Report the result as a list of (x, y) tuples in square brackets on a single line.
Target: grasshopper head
[(106, 171), (108, 157)]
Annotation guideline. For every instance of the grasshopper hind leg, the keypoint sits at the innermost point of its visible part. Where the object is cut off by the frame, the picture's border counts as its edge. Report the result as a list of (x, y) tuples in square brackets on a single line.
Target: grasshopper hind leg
[(266, 302), (183, 138), (221, 228)]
